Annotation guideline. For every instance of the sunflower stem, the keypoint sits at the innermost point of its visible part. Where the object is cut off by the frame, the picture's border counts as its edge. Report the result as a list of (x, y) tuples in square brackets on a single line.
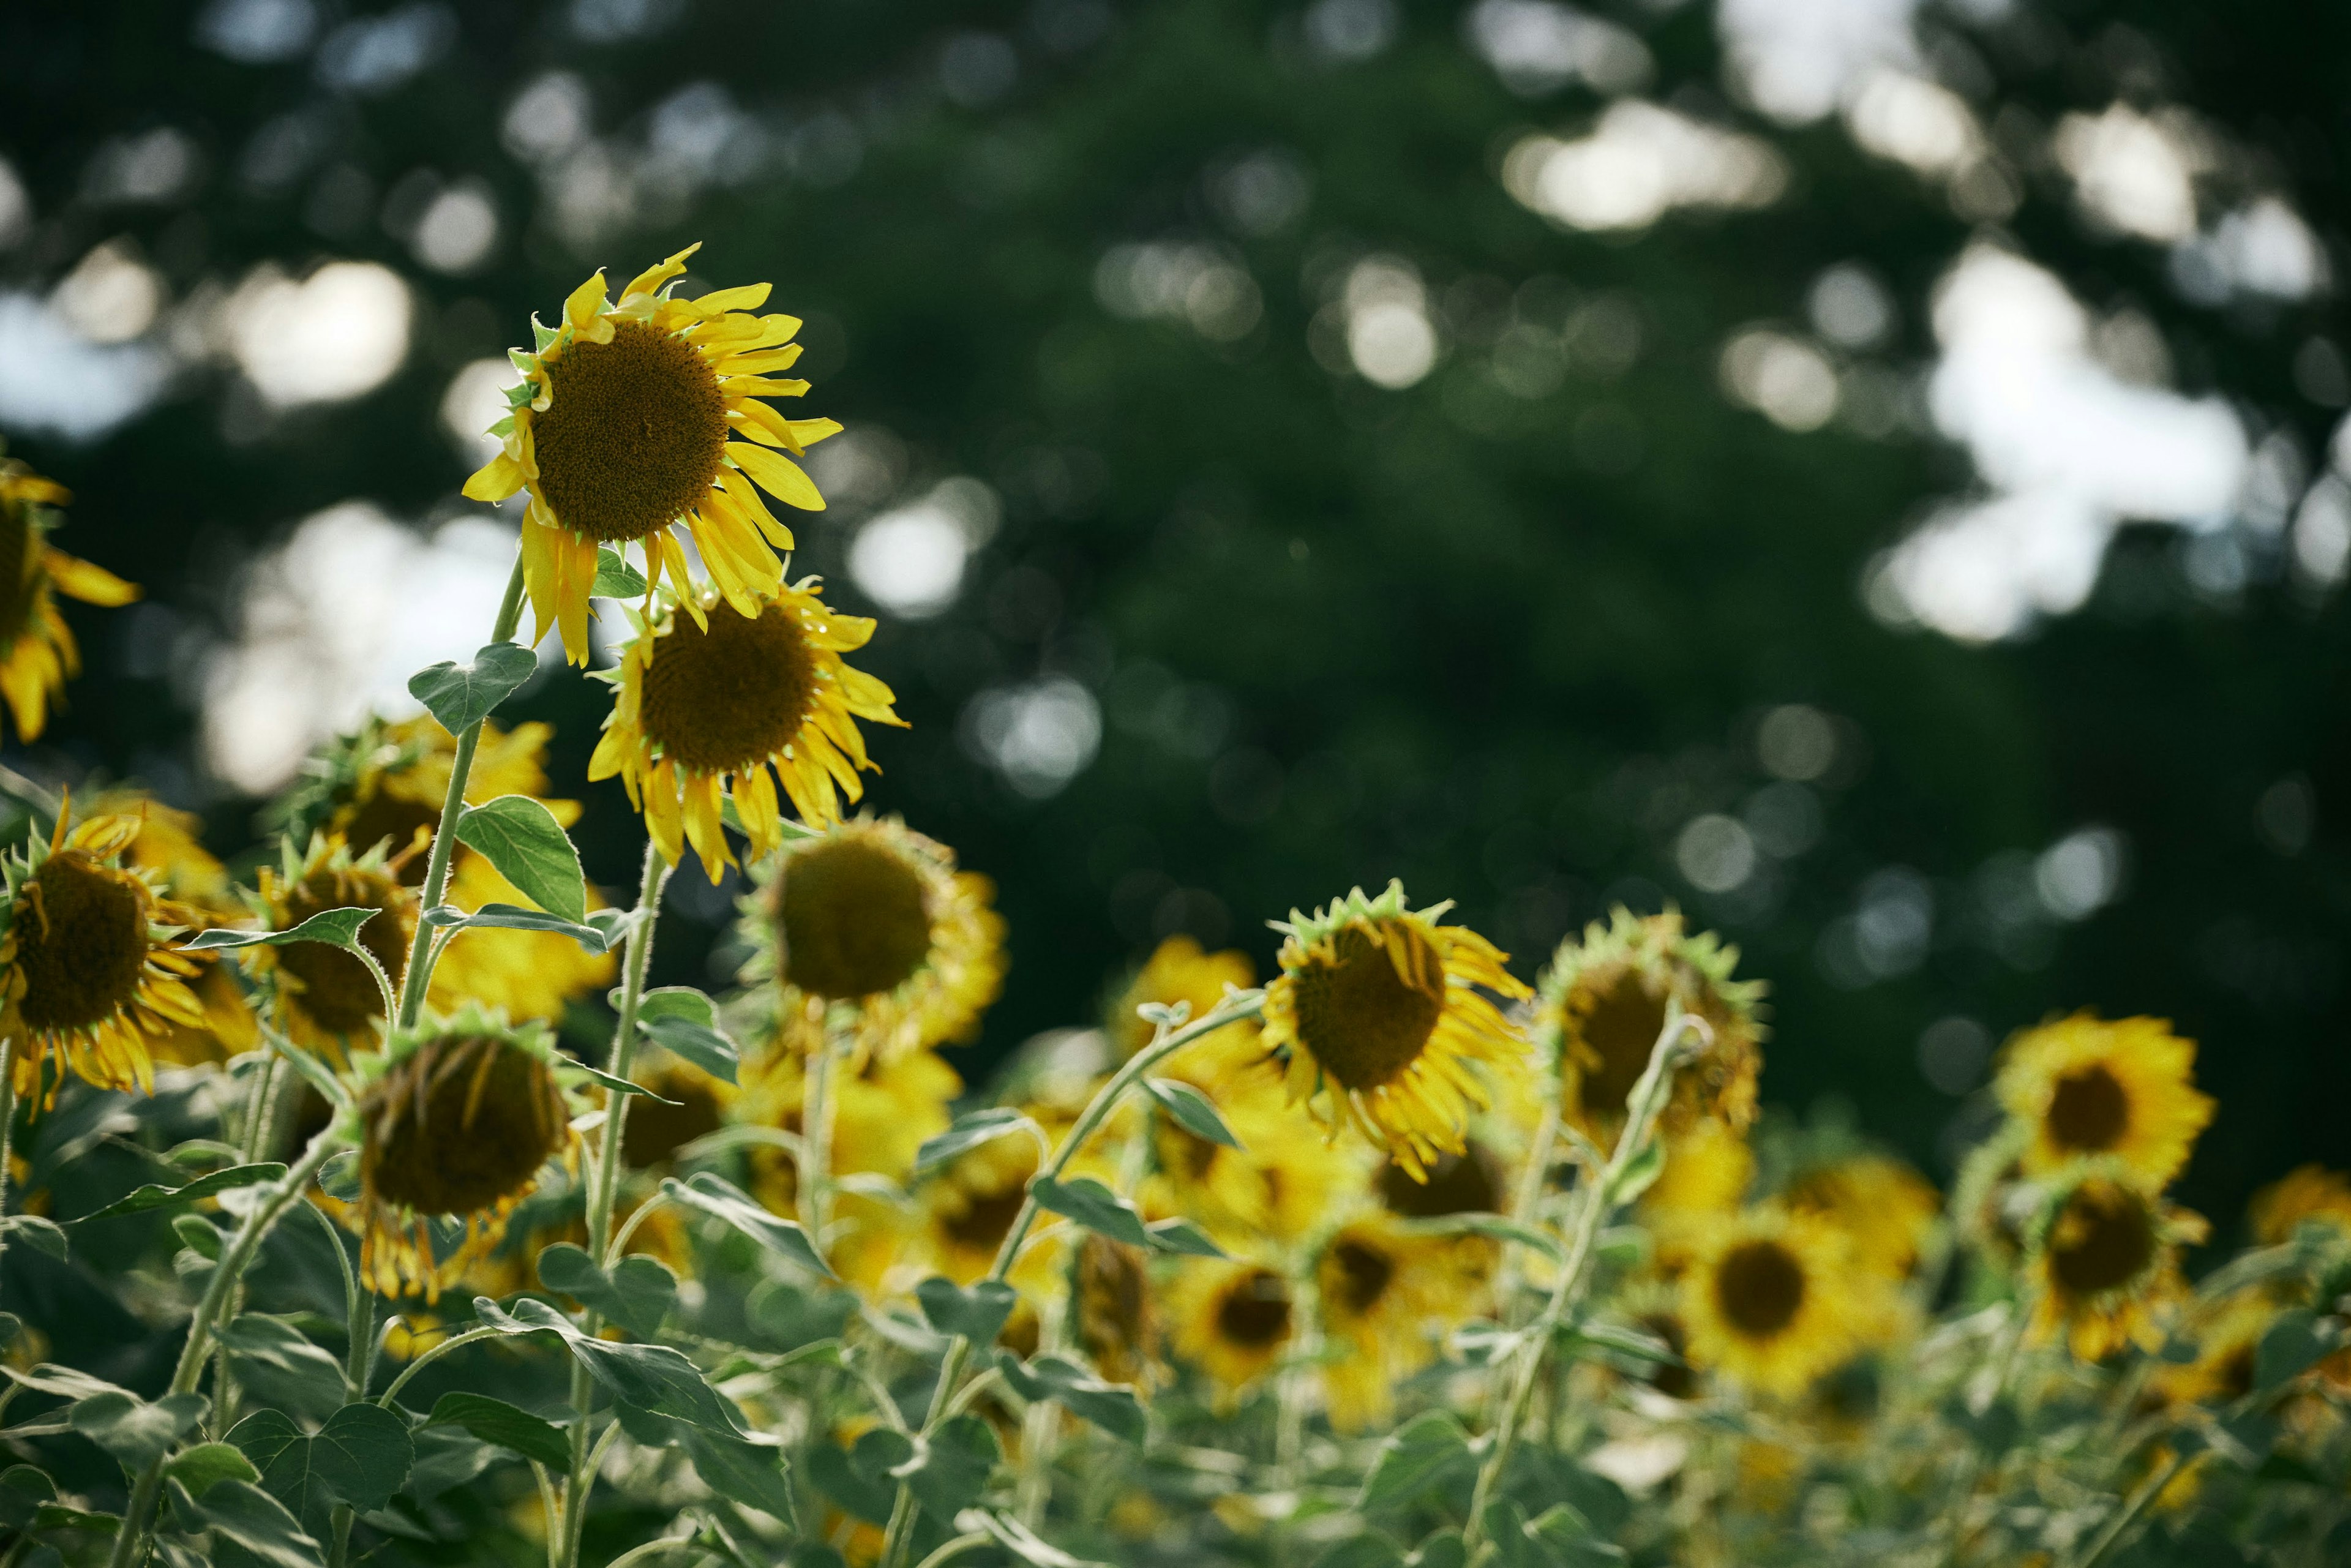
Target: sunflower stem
[(444, 835), (1648, 1099), (7, 1126), (1237, 1005), (817, 1112), (130, 1537), (604, 1179)]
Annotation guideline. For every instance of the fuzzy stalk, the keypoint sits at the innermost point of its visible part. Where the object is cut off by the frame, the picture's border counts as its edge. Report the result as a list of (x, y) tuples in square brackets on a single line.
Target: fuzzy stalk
[(819, 1111)]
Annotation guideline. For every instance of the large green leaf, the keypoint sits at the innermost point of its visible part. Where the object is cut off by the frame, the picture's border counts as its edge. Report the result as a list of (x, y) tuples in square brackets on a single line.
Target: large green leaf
[(970, 1130), (135, 1432), (198, 1467), (716, 1196), (615, 577), (976, 1312), (683, 1021), (949, 1468), (1429, 1450), (1093, 1206), (637, 1293), (590, 936), (750, 1474), (523, 840), (153, 1196), (462, 695), (859, 1478), (336, 927), (652, 1378), (508, 1426), (248, 1526), (1112, 1407), (1193, 1111), (360, 1456)]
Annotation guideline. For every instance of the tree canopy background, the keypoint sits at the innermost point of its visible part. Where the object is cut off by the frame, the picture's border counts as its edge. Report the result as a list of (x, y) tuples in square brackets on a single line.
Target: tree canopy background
[(1527, 451)]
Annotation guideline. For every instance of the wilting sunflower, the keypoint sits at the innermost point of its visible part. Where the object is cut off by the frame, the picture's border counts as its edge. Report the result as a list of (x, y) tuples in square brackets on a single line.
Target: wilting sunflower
[(327, 999), (1886, 1208), (873, 915), (1180, 970), (2306, 1192), (2088, 1088), (88, 970), (194, 894), (1386, 1295), (2107, 1269), (1773, 1302), (626, 423), (37, 654), (454, 1126), (1232, 1321), (1604, 999), (709, 702), (1118, 1323), (1380, 1016)]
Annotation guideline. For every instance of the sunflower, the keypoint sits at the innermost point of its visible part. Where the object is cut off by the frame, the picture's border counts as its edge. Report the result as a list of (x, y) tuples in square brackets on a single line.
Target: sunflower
[(194, 890), (522, 974), (873, 915), (967, 1210), (1605, 999), (2107, 1267), (86, 965), (1180, 970), (625, 425), (1886, 1209), (1386, 1295), (2089, 1089), (1118, 1323), (327, 999), (1380, 1016), (1232, 1321), (691, 1104), (37, 655), (385, 783), (708, 703), (1276, 1188), (1708, 1171), (1772, 1302), (453, 1125), (2228, 1337), (2305, 1192)]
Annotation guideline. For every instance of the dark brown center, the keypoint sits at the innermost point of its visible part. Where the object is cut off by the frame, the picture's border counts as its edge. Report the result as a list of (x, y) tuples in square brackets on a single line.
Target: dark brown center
[(460, 1124), (1465, 1183), (655, 1131), (1359, 1275), (1759, 1287), (1672, 1379), (722, 699), (81, 942), (855, 921), (1365, 1022), (633, 433), (392, 821), (338, 992), (1622, 1029), (986, 1218), (1255, 1312), (2089, 1111), (2103, 1240)]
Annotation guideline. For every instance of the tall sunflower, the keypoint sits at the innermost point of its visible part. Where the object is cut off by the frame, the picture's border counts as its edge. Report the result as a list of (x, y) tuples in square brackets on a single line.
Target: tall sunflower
[(1604, 999), (326, 995), (1771, 1301), (708, 703), (37, 652), (627, 424), (2107, 1266), (87, 969), (1381, 1017), (1233, 1320), (194, 891), (1387, 1296), (2088, 1088), (453, 1125), (873, 915)]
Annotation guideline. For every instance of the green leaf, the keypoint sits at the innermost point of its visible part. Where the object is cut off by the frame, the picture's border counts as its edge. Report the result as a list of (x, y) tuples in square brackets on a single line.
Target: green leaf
[(858, 1478), (336, 927), (1112, 1407), (530, 849), (593, 937), (617, 1085), (243, 1516), (949, 1468), (970, 1130), (637, 1294), (136, 1433), (1024, 1544), (976, 1312), (1193, 1111), (42, 1235), (1493, 1224), (723, 1199), (1565, 1539), (462, 695), (750, 1474), (1442, 1550), (199, 1468), (508, 1426), (1639, 1173), (1431, 1449), (199, 1235), (23, 1490), (615, 577), (152, 1197), (653, 1379), (361, 1456), (1181, 1236), (1093, 1206), (698, 1043), (1365, 1551), (2293, 1344)]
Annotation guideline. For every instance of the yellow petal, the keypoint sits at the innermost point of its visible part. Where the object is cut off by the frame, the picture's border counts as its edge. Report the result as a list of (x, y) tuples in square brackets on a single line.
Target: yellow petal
[(495, 480), (587, 303), (764, 425), (746, 497), (652, 277), (758, 361), (78, 579), (747, 297), (27, 695), (760, 386), (779, 477)]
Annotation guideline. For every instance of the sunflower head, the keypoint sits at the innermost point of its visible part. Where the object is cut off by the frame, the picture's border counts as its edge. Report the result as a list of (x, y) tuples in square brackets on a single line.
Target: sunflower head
[(1233, 1320), (873, 915), (1117, 1320), (454, 1125), (2227, 1335), (2106, 1261), (718, 701), (328, 997), (1381, 1017), (1604, 1000), (2088, 1088), (637, 418), (698, 1105), (37, 652), (2305, 1192), (1886, 1208), (1772, 1302), (1180, 970), (86, 960)]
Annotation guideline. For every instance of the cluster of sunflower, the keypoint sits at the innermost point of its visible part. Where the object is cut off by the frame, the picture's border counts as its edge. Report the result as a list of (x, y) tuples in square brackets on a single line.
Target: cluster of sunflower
[(1394, 1259)]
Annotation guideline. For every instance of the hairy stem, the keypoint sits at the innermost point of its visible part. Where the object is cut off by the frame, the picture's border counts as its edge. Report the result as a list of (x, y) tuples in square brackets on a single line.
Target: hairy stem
[(817, 1112), (8, 1124)]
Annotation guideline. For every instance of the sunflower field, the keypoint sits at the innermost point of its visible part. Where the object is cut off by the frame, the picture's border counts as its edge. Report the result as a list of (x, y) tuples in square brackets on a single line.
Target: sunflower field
[(1390, 1258)]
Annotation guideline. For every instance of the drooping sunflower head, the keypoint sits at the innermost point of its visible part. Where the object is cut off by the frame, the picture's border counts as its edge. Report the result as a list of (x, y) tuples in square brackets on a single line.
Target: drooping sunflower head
[(2106, 1261), (1772, 1302), (88, 966), (2305, 1193), (1604, 1000), (1118, 1323), (1180, 970), (38, 651), (330, 1000), (713, 696), (873, 915), (638, 417), (2090, 1089), (1381, 1017), (1233, 1320), (454, 1126)]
